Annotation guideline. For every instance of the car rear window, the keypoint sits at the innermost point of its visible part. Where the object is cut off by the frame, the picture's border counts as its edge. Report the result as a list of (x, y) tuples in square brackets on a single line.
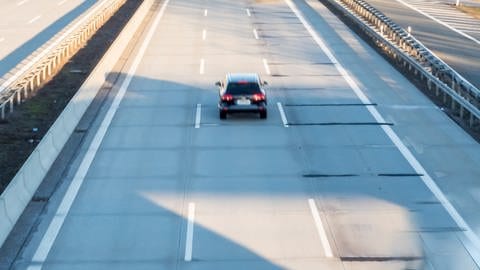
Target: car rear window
[(240, 88)]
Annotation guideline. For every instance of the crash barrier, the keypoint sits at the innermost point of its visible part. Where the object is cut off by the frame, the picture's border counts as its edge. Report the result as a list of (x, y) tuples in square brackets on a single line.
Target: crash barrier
[(51, 63), (457, 94), (23, 186)]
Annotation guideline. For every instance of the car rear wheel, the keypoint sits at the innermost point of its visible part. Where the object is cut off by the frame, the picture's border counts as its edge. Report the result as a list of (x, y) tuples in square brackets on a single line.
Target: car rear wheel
[(223, 115), (263, 114)]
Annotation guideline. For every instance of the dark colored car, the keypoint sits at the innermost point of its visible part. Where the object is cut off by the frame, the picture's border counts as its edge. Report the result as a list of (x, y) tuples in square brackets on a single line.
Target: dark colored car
[(242, 92)]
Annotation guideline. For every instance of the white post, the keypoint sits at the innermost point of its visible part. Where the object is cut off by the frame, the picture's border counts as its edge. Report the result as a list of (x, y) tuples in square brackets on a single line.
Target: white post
[(458, 3)]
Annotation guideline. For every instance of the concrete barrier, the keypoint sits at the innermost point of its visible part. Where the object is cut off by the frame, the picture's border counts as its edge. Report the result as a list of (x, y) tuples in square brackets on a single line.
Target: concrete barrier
[(23, 186)]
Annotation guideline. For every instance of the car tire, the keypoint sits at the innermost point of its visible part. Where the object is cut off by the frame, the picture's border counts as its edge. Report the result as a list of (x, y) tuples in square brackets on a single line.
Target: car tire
[(263, 114), (223, 115)]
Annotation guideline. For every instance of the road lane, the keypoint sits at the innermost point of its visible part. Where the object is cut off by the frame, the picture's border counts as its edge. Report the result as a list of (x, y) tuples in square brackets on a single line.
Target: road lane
[(254, 182)]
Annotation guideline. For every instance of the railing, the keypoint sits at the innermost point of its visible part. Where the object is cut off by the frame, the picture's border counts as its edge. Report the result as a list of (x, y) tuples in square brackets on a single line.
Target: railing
[(461, 97), (40, 71)]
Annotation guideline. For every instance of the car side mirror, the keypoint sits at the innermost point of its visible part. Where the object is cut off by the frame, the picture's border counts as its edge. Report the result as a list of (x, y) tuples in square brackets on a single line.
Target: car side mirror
[(265, 83), (219, 84)]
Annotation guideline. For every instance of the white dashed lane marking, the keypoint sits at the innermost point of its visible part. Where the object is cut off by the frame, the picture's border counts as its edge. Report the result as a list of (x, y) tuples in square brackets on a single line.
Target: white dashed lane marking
[(282, 114), (198, 115), (34, 19), (190, 227), (22, 2), (255, 33), (265, 65), (202, 66), (320, 229)]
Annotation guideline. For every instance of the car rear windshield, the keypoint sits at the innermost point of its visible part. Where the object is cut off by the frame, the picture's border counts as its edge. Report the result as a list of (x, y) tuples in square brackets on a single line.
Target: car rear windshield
[(241, 88)]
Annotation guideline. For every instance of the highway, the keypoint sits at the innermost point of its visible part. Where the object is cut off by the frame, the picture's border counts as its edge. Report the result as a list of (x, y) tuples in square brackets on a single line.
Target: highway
[(449, 33), (354, 168), (27, 25)]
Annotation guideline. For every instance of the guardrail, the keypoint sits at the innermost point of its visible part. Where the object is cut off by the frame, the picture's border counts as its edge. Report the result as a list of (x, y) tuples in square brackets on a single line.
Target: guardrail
[(456, 93), (35, 76)]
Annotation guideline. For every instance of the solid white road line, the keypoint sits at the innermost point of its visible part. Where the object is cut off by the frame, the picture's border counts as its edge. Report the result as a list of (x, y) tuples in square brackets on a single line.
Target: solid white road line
[(248, 12), (22, 2), (202, 66), (189, 238), (282, 114), (34, 19), (55, 225), (255, 33), (265, 64), (440, 22), (473, 243), (205, 12), (28, 65), (320, 229), (198, 115), (204, 34)]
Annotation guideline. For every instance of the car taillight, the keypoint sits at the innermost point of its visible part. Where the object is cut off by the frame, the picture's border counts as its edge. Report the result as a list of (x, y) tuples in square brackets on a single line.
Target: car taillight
[(227, 97), (258, 97)]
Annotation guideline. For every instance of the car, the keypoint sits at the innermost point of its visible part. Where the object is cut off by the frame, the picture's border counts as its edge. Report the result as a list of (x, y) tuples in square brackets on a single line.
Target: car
[(242, 92)]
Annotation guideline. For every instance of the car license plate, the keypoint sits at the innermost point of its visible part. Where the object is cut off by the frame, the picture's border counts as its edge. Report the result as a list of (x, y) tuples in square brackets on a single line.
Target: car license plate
[(243, 102)]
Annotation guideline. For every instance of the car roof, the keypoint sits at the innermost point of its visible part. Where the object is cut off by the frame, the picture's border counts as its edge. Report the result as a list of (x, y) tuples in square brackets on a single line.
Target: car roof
[(248, 77)]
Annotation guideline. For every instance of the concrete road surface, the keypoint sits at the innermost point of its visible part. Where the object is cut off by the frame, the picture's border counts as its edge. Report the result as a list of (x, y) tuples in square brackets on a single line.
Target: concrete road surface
[(26, 25), (353, 169), (451, 34)]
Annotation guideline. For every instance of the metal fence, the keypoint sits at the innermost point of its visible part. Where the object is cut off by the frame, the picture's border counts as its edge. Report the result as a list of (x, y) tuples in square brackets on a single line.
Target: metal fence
[(460, 96), (49, 65)]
